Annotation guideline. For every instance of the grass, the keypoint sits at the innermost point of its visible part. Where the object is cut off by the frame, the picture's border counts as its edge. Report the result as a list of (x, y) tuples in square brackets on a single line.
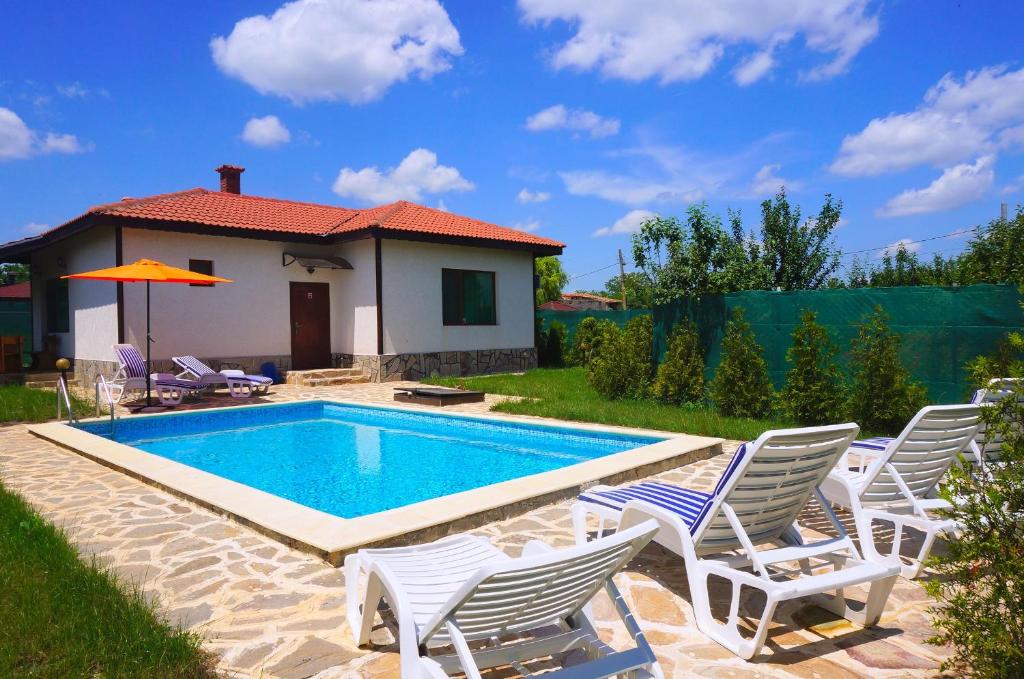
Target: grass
[(65, 618), (563, 393), (23, 404)]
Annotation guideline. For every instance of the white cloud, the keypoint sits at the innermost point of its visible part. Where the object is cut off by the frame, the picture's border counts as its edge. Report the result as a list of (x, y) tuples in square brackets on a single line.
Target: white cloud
[(442, 206), (326, 50), (17, 140), (676, 40), (627, 190), (957, 120), (892, 248), (528, 225), (1016, 186), (578, 120), (767, 182), (527, 196), (959, 185), (418, 173), (267, 131), (73, 90), (628, 223), (35, 228), (754, 68)]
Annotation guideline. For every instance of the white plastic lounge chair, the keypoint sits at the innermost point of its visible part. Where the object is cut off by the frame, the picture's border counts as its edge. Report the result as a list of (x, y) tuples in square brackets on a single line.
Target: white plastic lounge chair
[(462, 590), (131, 376), (894, 480), (238, 383), (171, 390), (756, 502), (983, 451)]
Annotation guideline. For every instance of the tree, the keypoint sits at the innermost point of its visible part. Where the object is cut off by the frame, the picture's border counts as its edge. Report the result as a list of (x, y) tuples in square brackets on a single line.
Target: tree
[(741, 386), (814, 391), (979, 583), (680, 377), (639, 293), (13, 273), (552, 279), (883, 397), (799, 255), (586, 341), (996, 253)]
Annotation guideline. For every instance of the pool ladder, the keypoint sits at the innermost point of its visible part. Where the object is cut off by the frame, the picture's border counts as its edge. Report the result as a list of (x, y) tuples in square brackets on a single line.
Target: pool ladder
[(64, 399), (102, 386)]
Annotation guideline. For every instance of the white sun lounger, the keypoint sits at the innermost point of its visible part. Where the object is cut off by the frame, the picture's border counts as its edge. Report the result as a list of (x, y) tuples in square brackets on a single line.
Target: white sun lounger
[(463, 592), (131, 375), (238, 383), (756, 502), (984, 449), (894, 480)]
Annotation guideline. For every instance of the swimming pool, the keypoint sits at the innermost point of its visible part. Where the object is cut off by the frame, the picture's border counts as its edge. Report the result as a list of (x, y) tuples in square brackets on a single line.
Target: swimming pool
[(350, 461)]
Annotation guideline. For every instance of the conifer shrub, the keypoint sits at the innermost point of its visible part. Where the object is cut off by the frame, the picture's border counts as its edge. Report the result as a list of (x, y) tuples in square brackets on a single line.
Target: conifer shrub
[(622, 365), (551, 346), (587, 339), (979, 583), (741, 386), (680, 377), (814, 392), (883, 397)]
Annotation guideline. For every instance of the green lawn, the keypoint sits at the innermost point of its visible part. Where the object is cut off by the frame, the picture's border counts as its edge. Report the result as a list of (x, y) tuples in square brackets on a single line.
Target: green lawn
[(563, 393), (22, 404), (64, 618)]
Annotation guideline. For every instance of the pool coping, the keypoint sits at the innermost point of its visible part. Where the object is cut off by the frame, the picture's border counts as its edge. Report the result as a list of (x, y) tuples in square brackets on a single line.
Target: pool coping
[(331, 537)]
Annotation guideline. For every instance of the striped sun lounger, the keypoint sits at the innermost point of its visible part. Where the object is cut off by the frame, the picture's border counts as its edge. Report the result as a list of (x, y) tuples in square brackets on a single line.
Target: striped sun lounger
[(238, 383)]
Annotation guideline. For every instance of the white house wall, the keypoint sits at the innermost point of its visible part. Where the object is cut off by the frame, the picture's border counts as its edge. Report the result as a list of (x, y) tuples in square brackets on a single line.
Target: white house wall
[(411, 298), (92, 304), (249, 317)]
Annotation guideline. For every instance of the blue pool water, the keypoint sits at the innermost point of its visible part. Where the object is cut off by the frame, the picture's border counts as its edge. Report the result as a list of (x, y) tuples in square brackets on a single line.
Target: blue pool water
[(351, 460)]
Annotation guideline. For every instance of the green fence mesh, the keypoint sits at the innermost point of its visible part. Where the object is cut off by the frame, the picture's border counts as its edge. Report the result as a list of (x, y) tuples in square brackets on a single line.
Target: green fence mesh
[(942, 327)]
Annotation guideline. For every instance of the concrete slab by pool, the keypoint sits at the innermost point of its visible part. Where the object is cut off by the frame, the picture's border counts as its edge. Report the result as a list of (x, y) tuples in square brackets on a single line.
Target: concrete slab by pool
[(331, 537)]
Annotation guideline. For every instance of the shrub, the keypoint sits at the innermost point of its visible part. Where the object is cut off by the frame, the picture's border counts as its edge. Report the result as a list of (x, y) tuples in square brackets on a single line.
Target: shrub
[(980, 576), (622, 366), (883, 397), (680, 377), (587, 339), (814, 390), (551, 345), (741, 387)]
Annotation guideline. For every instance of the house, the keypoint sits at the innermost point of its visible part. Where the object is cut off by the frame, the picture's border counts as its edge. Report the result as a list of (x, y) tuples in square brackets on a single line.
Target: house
[(584, 301), (557, 306), (400, 290)]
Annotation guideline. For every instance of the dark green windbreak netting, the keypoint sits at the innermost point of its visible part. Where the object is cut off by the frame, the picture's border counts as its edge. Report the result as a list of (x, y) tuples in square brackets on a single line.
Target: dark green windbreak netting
[(942, 327)]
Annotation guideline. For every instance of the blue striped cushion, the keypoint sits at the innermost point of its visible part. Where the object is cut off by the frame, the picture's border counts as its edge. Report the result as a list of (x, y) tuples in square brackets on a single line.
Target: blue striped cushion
[(132, 361), (689, 505), (879, 443), (194, 365), (181, 384)]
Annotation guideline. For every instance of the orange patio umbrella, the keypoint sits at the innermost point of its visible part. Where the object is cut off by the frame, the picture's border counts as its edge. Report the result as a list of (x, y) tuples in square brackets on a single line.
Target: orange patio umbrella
[(150, 271)]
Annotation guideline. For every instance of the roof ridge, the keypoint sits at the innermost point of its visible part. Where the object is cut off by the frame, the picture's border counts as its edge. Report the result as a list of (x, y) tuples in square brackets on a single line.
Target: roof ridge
[(144, 200)]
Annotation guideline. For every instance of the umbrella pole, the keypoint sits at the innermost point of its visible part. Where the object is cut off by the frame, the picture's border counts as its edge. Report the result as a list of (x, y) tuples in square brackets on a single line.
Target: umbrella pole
[(149, 363)]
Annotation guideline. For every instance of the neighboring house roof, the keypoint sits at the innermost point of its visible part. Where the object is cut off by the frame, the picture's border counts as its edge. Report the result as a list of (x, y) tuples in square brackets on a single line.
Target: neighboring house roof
[(557, 306), (595, 298), (255, 217), (16, 291)]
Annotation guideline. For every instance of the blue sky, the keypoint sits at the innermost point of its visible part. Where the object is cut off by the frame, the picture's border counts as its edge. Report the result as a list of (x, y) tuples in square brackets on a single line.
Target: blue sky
[(567, 117)]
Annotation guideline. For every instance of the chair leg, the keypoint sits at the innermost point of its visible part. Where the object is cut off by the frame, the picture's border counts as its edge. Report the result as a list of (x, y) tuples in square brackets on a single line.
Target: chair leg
[(361, 618), (728, 633)]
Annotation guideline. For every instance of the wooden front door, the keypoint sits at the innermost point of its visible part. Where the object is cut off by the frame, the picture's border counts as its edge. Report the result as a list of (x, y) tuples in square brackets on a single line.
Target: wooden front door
[(311, 326)]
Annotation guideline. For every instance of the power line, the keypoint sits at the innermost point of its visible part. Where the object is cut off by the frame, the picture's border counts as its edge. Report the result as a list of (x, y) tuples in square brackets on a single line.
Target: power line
[(572, 278), (912, 242)]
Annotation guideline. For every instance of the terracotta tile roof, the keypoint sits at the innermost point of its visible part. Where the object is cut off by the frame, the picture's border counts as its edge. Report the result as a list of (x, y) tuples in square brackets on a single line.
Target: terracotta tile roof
[(557, 306), (241, 211), (587, 295), (16, 291)]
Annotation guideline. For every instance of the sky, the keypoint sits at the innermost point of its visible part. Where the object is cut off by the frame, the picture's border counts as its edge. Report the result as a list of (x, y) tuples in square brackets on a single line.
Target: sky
[(573, 119)]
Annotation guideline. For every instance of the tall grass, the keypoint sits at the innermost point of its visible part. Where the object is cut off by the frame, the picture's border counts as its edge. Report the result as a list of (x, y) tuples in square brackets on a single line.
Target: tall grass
[(60, 617), (23, 404), (563, 393)]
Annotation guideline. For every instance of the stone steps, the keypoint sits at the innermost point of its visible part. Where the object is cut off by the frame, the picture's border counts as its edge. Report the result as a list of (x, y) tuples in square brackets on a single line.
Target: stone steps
[(326, 377), (47, 382)]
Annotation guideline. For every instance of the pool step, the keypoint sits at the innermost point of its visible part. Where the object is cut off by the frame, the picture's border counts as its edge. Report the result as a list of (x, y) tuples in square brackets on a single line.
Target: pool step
[(326, 377)]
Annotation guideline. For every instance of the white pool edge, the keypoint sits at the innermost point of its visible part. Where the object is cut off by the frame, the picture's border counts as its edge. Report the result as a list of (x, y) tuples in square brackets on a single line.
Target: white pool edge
[(332, 537)]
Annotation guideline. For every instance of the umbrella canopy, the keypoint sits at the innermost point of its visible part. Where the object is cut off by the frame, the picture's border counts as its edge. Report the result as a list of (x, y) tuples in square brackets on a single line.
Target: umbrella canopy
[(150, 271)]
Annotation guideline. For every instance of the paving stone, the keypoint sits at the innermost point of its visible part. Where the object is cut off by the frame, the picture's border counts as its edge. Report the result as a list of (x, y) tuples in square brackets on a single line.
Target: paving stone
[(313, 656)]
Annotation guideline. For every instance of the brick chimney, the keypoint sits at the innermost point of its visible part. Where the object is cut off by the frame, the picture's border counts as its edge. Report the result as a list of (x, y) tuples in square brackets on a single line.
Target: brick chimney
[(230, 178)]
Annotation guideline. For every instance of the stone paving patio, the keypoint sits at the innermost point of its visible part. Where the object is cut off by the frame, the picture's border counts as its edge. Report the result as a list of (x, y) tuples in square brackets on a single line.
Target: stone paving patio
[(269, 611)]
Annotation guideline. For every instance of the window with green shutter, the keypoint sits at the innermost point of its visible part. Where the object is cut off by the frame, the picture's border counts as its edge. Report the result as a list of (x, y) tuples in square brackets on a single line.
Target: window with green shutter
[(468, 297), (58, 310)]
